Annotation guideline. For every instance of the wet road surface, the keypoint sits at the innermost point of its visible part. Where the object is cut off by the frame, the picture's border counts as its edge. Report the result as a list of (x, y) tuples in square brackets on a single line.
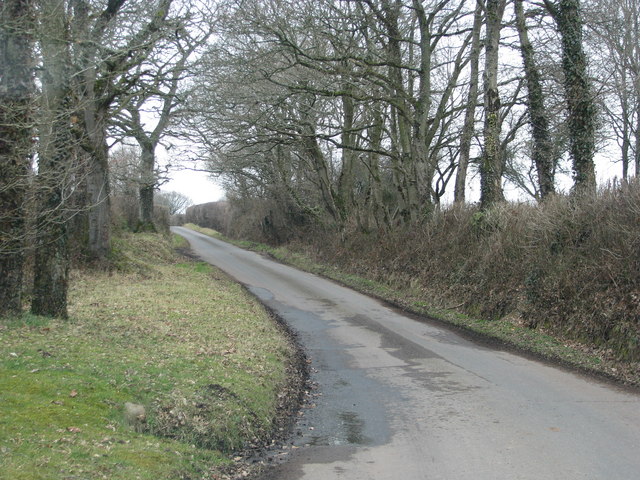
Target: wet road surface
[(401, 399)]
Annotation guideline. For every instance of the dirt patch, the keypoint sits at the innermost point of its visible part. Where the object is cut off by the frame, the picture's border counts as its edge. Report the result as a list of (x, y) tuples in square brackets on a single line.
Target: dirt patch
[(187, 253)]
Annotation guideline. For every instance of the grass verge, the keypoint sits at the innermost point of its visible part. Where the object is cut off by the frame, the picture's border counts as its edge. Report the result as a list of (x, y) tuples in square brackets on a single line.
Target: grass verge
[(505, 332), (177, 337)]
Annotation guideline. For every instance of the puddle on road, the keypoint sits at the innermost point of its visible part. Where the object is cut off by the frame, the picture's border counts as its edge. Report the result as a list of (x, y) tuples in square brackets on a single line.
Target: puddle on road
[(349, 414), (262, 293), (351, 428)]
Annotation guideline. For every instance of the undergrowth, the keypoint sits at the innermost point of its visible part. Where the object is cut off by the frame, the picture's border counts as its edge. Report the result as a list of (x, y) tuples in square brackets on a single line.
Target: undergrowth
[(570, 266), (177, 337)]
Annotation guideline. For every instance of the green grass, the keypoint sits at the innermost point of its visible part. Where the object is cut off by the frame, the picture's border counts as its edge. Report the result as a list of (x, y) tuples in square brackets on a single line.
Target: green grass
[(178, 241), (207, 231), (507, 332), (180, 338)]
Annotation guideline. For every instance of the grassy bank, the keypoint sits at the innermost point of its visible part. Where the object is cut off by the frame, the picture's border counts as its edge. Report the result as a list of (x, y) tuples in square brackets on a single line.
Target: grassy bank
[(177, 337)]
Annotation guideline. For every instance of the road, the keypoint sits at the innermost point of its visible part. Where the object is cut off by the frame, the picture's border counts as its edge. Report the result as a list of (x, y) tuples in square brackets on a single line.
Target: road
[(401, 399)]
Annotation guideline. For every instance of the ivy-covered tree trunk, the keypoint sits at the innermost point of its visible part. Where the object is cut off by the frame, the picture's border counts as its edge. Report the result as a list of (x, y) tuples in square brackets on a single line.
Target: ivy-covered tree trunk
[(580, 101), (16, 89), (492, 164), (51, 267), (542, 147)]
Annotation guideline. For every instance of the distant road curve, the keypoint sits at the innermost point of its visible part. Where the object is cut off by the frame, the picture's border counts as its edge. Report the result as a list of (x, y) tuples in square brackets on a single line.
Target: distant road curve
[(401, 399)]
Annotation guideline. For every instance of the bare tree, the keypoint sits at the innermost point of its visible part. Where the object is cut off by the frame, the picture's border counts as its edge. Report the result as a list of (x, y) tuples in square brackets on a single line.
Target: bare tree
[(175, 202), (617, 27), (108, 46), (376, 140), (124, 181), (362, 112), (148, 142), (16, 133), (155, 96)]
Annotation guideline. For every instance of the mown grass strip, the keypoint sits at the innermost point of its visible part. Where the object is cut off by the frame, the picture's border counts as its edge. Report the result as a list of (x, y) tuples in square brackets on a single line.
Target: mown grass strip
[(204, 359)]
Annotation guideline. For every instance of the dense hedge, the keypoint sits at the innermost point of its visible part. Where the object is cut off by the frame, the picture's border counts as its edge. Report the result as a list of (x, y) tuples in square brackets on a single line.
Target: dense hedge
[(570, 265)]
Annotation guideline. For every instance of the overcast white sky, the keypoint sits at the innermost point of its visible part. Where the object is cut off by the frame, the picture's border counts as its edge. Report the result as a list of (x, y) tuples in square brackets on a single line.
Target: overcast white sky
[(195, 185)]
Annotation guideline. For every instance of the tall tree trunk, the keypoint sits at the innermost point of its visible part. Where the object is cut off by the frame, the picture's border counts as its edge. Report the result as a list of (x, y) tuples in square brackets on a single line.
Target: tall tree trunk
[(626, 126), (97, 90), (637, 138), (542, 146), (93, 107), (580, 102), (315, 156), (404, 169), (344, 198), (635, 55), (51, 268), (376, 210), (99, 213), (422, 169), (147, 186), (491, 165), (16, 91), (470, 111), (434, 122), (629, 43)]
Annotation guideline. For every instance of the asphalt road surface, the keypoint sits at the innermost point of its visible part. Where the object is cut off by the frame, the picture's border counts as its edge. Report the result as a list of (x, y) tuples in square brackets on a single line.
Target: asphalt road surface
[(401, 399)]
